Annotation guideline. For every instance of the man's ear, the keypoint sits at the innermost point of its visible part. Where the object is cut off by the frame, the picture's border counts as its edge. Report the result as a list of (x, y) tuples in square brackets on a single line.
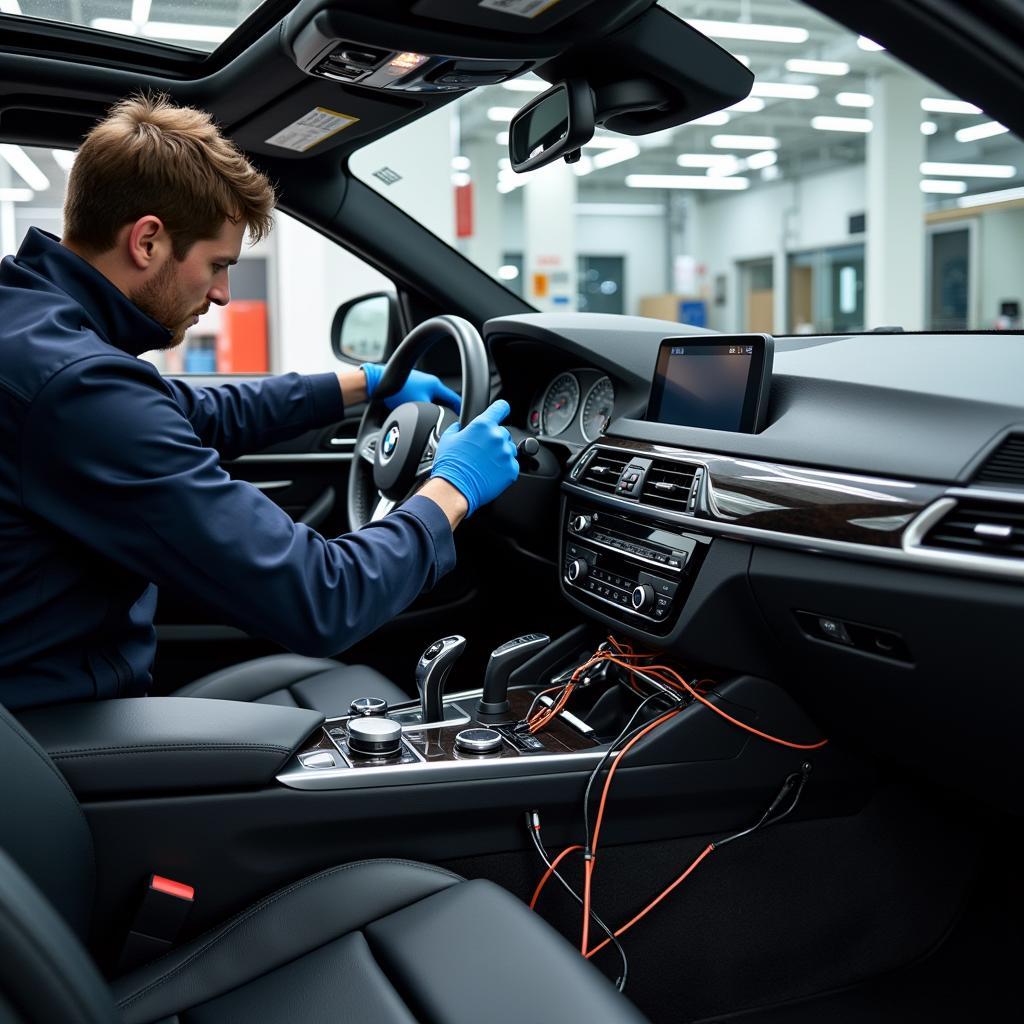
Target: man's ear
[(147, 242)]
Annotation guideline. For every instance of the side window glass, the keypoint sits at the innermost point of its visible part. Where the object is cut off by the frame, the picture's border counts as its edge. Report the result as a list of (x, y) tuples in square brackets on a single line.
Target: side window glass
[(284, 290)]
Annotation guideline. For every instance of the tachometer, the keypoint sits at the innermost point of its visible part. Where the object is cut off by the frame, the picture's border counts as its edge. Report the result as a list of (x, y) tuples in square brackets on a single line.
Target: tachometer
[(597, 408), (561, 401)]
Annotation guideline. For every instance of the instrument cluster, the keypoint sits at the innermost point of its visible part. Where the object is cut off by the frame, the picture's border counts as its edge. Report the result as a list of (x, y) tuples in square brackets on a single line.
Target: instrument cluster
[(575, 405)]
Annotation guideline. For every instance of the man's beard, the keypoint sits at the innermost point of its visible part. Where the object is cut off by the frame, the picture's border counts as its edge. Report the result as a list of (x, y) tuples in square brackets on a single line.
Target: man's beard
[(159, 298)]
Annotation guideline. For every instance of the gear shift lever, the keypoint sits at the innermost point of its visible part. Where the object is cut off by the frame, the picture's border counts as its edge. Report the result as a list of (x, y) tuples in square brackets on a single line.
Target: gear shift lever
[(504, 661), (431, 672)]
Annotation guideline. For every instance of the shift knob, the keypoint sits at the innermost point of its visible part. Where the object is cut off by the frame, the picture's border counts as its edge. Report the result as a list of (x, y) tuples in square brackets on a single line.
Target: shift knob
[(504, 661), (431, 673)]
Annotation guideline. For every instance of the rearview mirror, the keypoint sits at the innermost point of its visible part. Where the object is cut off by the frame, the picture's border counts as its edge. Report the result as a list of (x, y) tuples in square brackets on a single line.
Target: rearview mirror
[(554, 124)]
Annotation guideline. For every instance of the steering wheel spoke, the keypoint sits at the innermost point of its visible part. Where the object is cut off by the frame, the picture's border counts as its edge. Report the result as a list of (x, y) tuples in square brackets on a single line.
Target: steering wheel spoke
[(368, 447), (382, 508)]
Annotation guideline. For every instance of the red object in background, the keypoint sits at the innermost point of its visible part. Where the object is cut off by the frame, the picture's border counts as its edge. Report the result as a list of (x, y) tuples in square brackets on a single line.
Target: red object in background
[(464, 210), (242, 340)]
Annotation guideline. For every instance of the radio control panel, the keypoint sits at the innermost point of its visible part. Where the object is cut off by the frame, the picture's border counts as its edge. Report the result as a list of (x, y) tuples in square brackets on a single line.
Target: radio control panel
[(643, 570)]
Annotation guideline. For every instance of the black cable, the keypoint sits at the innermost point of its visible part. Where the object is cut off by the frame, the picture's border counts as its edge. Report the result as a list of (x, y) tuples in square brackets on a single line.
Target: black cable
[(533, 827), (794, 781), (624, 736)]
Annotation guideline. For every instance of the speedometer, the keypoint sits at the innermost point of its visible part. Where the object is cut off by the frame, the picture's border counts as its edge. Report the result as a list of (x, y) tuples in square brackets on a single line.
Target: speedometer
[(561, 401), (597, 408)]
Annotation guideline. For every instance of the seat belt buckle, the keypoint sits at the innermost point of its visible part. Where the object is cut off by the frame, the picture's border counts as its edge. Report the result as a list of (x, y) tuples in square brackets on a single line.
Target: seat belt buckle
[(158, 921)]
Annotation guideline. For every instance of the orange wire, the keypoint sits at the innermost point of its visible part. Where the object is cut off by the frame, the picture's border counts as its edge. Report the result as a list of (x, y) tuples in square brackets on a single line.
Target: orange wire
[(550, 871), (650, 906)]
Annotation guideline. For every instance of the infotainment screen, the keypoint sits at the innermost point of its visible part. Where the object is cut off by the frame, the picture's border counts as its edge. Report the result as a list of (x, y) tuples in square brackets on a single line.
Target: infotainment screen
[(719, 382)]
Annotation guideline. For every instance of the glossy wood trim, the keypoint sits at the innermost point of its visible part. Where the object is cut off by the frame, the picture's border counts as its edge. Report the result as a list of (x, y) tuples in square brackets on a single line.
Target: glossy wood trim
[(795, 500)]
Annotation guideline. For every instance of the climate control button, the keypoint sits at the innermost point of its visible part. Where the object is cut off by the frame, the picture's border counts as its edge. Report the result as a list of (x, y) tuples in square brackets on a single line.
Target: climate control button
[(643, 597)]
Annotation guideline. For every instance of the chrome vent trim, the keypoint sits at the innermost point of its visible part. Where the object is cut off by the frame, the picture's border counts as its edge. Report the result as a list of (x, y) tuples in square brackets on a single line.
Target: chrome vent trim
[(668, 485), (603, 471)]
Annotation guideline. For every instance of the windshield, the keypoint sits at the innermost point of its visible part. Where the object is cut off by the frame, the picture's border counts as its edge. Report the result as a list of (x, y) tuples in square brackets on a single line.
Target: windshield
[(846, 193), (195, 24)]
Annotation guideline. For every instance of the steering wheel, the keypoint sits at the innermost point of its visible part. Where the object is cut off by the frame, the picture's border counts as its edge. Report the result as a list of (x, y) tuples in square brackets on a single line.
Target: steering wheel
[(395, 448)]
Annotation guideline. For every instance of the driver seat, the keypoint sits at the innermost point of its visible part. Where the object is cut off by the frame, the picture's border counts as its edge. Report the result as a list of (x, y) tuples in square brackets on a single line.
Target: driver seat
[(291, 680)]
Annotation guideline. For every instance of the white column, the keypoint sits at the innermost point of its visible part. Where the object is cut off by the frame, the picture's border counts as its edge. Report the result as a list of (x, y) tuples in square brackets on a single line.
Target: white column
[(550, 245), (484, 246), (895, 250)]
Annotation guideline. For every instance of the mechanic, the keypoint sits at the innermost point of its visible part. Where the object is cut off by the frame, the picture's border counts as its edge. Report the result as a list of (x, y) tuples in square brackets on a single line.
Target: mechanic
[(110, 474)]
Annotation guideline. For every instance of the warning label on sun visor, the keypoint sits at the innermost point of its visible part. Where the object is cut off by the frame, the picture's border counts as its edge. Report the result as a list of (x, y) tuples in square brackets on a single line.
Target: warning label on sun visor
[(520, 8), (311, 129)]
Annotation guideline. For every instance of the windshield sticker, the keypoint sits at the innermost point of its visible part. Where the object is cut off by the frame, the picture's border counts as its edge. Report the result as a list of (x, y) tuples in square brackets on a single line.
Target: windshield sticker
[(311, 129), (520, 8)]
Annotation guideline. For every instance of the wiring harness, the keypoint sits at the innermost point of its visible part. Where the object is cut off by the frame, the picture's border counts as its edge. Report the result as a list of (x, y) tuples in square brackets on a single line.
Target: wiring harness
[(673, 694)]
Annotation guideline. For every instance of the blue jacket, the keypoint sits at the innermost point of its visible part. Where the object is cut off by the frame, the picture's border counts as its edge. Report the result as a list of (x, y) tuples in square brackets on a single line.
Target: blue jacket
[(111, 485)]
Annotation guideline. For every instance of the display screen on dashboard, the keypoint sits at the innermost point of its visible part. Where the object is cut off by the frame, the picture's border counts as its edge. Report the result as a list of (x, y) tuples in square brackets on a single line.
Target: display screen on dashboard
[(718, 383)]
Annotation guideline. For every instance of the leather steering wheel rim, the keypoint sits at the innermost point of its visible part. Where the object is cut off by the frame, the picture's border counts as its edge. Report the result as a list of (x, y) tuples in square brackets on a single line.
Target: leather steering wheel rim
[(476, 391)]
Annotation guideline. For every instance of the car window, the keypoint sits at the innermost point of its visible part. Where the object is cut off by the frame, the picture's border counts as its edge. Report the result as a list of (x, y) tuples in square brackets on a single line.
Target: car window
[(845, 193), (284, 290)]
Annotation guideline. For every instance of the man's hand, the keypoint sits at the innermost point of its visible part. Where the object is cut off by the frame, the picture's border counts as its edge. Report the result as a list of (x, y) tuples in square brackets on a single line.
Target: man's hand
[(479, 460), (418, 387)]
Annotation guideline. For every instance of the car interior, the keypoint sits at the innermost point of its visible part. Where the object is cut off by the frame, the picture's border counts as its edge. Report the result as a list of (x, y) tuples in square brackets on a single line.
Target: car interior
[(715, 718)]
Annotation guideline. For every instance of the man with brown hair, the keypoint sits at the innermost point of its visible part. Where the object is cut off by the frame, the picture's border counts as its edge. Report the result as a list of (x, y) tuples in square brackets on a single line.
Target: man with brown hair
[(110, 475)]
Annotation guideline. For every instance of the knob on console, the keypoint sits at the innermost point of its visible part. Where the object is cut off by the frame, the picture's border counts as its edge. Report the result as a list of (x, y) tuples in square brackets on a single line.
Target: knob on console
[(578, 570), (643, 597), (367, 707), (580, 524), (374, 737), (478, 741)]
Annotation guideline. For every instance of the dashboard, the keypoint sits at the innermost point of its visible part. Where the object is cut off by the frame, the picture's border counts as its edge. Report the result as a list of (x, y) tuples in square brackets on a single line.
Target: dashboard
[(865, 548)]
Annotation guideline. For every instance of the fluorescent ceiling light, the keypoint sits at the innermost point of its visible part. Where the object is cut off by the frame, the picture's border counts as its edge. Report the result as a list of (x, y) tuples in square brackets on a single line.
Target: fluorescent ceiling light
[(605, 142), (855, 99), (718, 118), (929, 127), (10, 7), (869, 45), (985, 130), (25, 166), (15, 195), (766, 158), (123, 26), (140, 10), (818, 67), (940, 106), (186, 33), (461, 163), (1003, 195), (525, 85), (784, 91), (841, 124), (501, 113), (508, 272), (504, 164), (64, 158), (971, 170), (501, 138), (460, 178), (742, 59), (744, 142), (734, 165), (685, 181), (746, 30), (504, 187), (583, 166), (704, 159), (941, 186), (615, 156), (770, 173), (619, 209), (748, 105)]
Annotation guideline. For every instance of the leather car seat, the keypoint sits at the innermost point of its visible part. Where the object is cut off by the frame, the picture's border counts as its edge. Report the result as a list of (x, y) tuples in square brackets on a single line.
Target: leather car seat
[(390, 941), (319, 684)]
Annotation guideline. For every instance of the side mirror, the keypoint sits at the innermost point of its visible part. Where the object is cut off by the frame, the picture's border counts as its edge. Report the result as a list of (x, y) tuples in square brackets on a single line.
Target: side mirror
[(367, 328), (554, 124)]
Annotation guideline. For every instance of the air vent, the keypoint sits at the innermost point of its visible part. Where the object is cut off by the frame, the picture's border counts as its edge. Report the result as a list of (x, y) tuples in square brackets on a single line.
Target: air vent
[(1005, 466), (604, 470), (668, 485), (990, 528)]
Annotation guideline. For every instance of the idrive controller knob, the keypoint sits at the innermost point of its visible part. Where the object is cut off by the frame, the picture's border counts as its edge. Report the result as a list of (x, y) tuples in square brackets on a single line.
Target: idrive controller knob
[(368, 707), (374, 737), (478, 741)]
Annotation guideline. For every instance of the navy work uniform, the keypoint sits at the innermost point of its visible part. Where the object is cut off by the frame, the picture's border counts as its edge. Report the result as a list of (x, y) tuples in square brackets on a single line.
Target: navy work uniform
[(111, 485)]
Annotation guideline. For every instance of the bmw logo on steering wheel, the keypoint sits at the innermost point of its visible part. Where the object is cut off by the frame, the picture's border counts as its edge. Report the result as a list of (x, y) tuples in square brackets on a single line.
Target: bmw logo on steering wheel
[(390, 443)]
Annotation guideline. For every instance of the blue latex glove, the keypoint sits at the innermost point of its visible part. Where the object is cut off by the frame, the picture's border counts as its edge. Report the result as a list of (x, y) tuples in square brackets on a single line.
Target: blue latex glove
[(478, 460), (418, 387)]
